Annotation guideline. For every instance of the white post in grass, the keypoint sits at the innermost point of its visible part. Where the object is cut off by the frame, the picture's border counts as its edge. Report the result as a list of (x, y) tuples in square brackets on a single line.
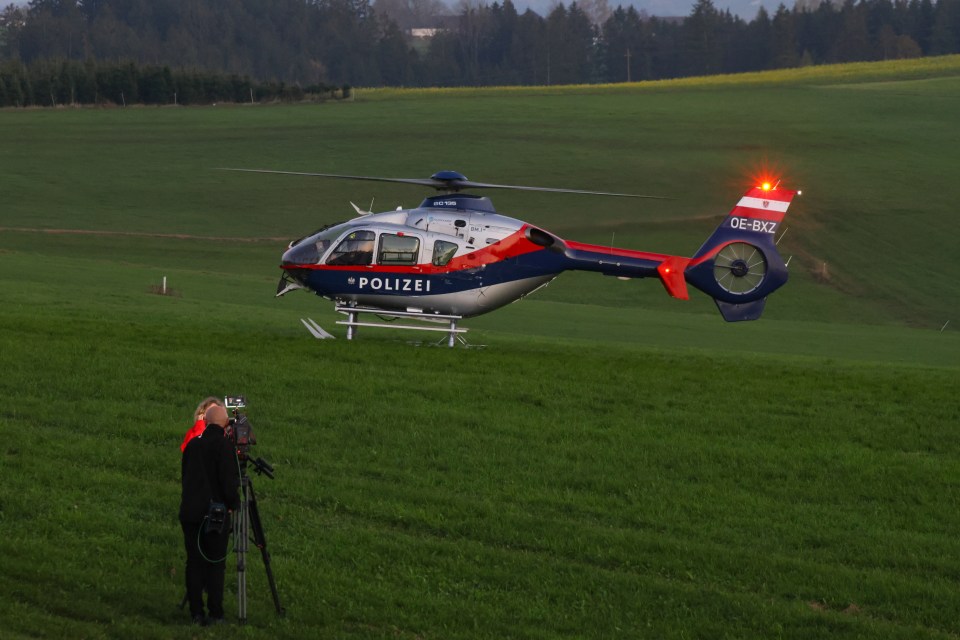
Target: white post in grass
[(164, 285)]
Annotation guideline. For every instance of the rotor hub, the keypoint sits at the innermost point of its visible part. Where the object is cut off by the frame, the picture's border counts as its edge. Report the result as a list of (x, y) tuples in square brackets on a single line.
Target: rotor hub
[(448, 176)]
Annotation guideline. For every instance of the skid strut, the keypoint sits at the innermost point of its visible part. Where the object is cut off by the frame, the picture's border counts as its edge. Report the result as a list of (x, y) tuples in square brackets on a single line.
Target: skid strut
[(353, 313)]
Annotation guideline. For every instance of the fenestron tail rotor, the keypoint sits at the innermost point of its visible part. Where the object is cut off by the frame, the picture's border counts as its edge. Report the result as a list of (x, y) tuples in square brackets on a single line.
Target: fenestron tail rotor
[(739, 268), (449, 182)]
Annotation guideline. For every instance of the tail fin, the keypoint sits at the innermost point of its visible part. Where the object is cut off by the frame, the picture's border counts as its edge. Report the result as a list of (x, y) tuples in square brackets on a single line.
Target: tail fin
[(738, 266)]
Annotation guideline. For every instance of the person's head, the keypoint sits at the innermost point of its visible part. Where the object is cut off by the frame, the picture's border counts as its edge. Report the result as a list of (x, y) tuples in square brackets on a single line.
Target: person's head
[(217, 415), (205, 404)]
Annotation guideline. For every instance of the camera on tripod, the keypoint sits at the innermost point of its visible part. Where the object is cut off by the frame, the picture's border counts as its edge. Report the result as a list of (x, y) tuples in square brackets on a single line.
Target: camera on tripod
[(240, 432)]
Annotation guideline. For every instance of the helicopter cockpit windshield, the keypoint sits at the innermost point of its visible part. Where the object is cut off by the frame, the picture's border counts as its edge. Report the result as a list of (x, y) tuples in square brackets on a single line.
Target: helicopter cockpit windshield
[(312, 248)]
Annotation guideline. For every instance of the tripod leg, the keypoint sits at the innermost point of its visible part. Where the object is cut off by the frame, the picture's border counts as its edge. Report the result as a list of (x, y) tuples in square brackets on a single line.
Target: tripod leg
[(241, 534), (261, 542)]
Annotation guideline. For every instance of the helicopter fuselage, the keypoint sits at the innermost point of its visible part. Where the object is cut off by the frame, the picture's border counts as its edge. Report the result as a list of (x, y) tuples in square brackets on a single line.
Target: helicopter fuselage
[(452, 255), (455, 255)]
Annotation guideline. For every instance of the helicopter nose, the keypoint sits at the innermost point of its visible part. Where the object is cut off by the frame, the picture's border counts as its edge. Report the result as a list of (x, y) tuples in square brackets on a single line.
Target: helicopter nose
[(300, 254)]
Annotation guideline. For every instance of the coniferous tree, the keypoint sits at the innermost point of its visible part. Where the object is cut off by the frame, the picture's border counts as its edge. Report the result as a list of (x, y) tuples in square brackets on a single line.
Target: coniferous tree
[(784, 51), (623, 53), (945, 33), (702, 54), (759, 42)]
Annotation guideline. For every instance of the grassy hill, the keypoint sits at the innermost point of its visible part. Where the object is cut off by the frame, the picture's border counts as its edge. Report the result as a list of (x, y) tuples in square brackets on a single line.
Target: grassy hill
[(614, 463), (872, 156)]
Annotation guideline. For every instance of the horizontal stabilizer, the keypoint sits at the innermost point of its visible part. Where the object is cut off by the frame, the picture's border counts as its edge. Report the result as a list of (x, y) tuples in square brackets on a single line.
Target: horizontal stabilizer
[(743, 311)]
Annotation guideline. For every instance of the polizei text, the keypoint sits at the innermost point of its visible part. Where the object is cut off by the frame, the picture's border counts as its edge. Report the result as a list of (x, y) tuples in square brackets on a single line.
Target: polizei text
[(416, 285)]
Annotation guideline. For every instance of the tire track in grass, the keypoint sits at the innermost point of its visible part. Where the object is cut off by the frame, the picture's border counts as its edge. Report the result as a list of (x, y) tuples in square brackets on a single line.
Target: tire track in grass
[(139, 234)]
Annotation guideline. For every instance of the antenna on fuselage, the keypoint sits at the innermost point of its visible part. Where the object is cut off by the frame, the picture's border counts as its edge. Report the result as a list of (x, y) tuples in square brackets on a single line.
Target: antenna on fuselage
[(361, 211)]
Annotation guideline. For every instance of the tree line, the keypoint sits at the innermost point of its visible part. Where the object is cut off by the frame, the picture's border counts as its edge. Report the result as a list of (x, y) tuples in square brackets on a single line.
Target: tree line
[(496, 45), (53, 82), (152, 48)]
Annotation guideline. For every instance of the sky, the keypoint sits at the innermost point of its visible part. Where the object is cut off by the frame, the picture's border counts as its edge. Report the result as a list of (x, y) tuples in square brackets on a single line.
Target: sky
[(746, 9)]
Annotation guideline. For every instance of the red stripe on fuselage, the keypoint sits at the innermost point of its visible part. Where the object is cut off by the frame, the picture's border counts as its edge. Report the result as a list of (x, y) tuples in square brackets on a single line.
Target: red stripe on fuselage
[(614, 251), (514, 245)]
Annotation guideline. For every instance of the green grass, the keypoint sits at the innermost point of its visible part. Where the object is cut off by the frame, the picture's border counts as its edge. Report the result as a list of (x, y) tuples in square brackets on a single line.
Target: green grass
[(878, 208), (613, 463)]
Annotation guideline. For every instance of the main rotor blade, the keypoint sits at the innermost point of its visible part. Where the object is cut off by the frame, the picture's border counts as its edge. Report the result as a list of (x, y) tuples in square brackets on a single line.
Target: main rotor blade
[(449, 184), (484, 185), (419, 181)]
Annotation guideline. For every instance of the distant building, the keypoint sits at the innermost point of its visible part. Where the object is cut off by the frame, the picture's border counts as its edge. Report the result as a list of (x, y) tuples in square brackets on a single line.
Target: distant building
[(433, 25), (424, 33)]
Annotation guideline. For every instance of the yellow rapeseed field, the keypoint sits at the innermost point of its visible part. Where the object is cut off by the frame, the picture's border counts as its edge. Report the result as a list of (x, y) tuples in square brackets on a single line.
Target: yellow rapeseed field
[(858, 72)]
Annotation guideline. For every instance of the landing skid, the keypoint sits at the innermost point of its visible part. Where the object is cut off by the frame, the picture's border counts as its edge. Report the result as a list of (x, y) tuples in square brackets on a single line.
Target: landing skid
[(353, 313)]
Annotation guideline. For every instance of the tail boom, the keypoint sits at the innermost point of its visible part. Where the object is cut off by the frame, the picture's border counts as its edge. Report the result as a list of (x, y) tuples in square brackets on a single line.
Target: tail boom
[(738, 265), (627, 263)]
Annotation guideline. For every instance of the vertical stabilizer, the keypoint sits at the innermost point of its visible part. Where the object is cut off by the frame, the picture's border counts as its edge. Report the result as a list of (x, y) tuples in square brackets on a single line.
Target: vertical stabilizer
[(739, 266)]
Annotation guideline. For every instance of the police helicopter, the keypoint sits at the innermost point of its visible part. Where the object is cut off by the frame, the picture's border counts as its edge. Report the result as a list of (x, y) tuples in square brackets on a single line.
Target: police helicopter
[(454, 256)]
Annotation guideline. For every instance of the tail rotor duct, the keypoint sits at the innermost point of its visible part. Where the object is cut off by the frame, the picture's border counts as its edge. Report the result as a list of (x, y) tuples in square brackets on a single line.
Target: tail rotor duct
[(740, 268)]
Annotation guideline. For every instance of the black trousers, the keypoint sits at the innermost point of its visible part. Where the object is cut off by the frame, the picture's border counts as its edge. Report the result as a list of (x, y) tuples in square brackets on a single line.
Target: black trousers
[(206, 565)]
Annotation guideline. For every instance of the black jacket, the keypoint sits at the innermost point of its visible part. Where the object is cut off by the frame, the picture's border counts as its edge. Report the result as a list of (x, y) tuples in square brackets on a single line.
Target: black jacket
[(208, 472)]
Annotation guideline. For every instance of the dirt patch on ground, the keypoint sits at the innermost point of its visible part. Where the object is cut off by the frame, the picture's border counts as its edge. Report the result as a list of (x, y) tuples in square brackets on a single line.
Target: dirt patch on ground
[(159, 290), (850, 610)]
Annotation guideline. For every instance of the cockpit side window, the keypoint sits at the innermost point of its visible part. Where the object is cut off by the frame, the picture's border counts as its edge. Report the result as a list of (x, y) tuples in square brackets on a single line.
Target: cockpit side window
[(355, 249), (397, 249), (443, 252)]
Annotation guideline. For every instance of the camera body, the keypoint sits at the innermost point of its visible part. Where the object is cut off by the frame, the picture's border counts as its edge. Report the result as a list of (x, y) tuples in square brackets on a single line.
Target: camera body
[(239, 430), (242, 432)]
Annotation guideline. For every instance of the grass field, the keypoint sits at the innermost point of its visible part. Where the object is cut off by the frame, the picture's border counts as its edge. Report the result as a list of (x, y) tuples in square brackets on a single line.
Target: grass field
[(613, 463)]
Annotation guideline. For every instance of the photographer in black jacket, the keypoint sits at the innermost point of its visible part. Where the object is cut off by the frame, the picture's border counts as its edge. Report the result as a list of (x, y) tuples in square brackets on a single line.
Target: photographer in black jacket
[(209, 478)]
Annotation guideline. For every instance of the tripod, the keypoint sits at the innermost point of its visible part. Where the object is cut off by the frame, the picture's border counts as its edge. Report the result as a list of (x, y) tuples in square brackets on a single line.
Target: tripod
[(248, 519)]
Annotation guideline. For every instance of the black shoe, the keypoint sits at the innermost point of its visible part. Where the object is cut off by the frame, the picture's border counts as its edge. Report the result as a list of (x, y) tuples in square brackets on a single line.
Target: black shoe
[(199, 620), (213, 622)]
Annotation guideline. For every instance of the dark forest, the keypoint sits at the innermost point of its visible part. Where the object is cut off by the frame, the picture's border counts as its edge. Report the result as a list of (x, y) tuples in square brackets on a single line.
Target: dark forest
[(159, 51)]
